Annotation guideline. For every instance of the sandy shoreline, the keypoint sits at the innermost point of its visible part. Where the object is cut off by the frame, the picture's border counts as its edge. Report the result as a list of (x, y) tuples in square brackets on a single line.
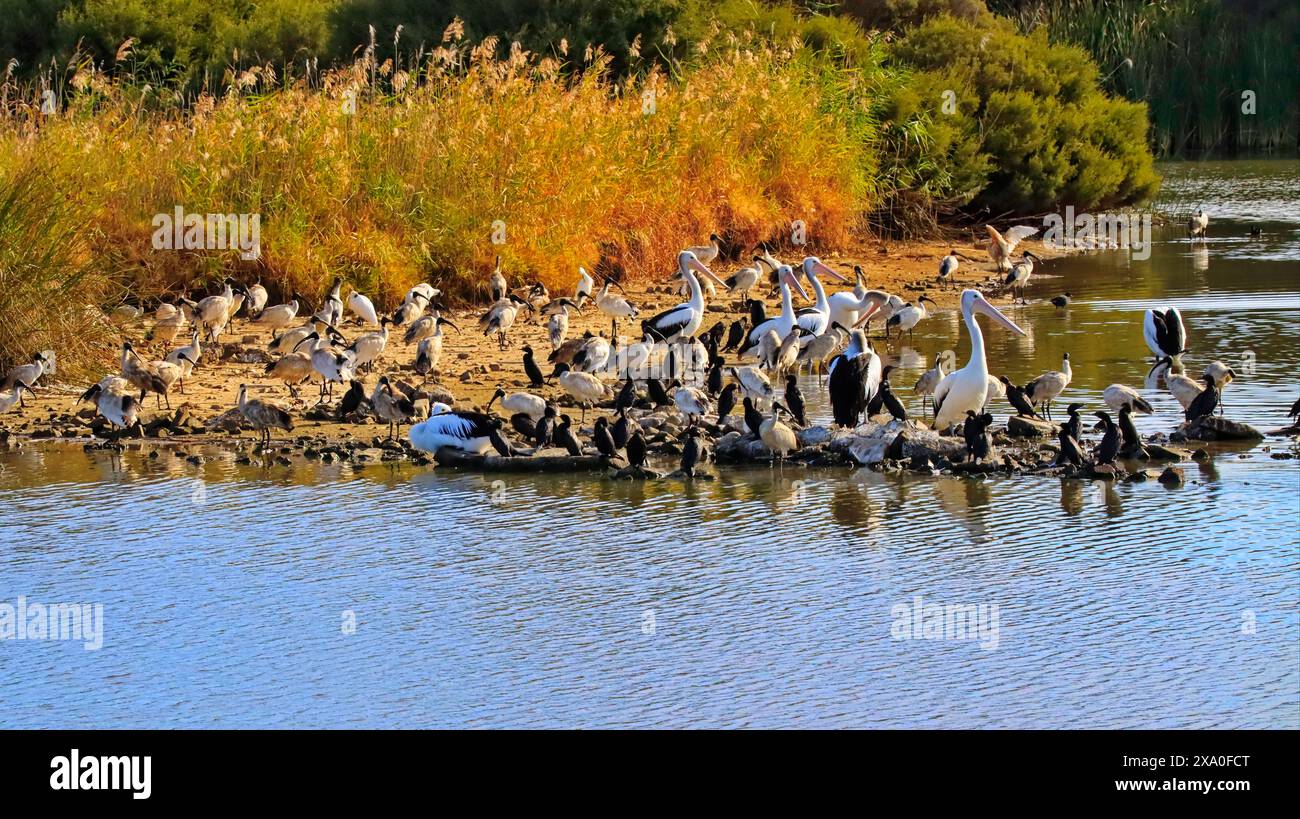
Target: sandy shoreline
[(471, 368)]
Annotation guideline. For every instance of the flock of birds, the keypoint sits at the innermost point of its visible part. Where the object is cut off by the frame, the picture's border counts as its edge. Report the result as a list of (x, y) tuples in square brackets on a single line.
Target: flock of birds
[(755, 358)]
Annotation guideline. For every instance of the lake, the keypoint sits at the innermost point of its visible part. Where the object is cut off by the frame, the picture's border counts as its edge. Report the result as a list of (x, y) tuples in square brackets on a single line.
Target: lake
[(394, 596)]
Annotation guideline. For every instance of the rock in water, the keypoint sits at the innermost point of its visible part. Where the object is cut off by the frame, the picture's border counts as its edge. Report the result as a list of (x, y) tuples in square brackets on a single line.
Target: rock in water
[(1217, 428), (1172, 476), (1024, 427)]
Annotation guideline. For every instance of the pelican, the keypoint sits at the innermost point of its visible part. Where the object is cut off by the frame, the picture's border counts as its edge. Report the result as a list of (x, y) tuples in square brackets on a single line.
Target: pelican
[(531, 405), (584, 288), (1019, 275), (1165, 336), (121, 411), (910, 316), (1198, 224), (363, 308), (968, 388), (783, 323), (472, 432), (944, 362), (851, 308), (681, 322), (264, 415), (776, 436), (855, 377), (707, 254), (501, 317), (1117, 395), (497, 282), (1044, 389), (616, 307), (584, 388), (817, 318), (1001, 246)]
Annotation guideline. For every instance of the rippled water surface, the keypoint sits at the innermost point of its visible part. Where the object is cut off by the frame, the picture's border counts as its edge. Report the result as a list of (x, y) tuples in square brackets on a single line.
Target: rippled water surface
[(764, 598)]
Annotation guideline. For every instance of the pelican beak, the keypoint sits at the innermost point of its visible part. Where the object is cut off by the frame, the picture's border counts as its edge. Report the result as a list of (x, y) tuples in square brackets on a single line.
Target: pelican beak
[(877, 299), (699, 267), (982, 306), (789, 278), (820, 268)]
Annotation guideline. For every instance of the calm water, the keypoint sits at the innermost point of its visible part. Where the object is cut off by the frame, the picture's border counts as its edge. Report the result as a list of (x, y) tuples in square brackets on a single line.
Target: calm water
[(765, 598)]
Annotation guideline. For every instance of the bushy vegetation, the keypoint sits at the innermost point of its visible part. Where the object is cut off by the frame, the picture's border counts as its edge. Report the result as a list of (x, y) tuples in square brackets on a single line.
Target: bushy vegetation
[(762, 113), (1191, 60)]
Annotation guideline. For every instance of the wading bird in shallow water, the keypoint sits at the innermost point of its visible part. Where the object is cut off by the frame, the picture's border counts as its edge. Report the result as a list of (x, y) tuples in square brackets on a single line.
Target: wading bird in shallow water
[(1198, 224), (1019, 275), (121, 411), (968, 388), (264, 416), (776, 436), (944, 362), (781, 324), (1044, 389), (908, 317)]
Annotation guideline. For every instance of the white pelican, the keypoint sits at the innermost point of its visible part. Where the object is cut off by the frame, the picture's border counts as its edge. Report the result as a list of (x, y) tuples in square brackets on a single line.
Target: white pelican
[(782, 323), (472, 432), (908, 317), (534, 406), (1044, 389), (968, 388), (850, 308), (1001, 246), (363, 308), (1117, 395), (1165, 336), (682, 321), (264, 415), (814, 320)]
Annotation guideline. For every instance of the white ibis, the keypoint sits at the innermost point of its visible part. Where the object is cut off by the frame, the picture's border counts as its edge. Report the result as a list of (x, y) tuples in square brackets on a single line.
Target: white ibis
[(367, 347), (947, 267), (363, 308), (264, 415), (968, 388), (616, 307), (744, 279), (1019, 275), (280, 316), (28, 374), (584, 388), (910, 316), (501, 317), (12, 397), (585, 287), (120, 410), (1117, 395), (776, 436), (534, 406), (497, 282), (331, 312), (944, 362), (1044, 389)]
